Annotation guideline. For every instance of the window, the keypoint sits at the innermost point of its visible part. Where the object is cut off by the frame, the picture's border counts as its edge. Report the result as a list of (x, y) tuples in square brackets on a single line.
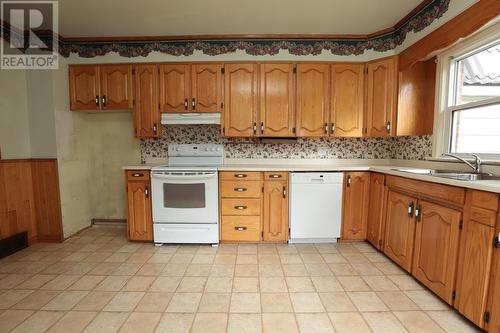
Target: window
[(473, 106)]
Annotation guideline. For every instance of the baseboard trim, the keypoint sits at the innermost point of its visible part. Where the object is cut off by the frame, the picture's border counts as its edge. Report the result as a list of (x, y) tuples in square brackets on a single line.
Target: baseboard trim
[(109, 221), (14, 243)]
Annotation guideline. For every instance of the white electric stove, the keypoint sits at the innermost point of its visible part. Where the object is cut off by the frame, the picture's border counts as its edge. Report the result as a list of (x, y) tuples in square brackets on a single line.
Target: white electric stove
[(185, 195)]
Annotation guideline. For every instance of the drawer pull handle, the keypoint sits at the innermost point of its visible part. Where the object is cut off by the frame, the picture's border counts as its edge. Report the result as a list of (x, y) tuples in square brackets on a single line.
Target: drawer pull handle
[(137, 174), (275, 176), (240, 175), (240, 228), (240, 189), (240, 207)]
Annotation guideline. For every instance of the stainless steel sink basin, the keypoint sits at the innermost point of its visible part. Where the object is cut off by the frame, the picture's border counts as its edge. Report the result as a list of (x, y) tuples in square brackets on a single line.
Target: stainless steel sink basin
[(451, 174)]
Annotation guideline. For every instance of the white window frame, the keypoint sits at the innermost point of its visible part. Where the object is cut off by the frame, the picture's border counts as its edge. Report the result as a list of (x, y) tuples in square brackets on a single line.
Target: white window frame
[(446, 92)]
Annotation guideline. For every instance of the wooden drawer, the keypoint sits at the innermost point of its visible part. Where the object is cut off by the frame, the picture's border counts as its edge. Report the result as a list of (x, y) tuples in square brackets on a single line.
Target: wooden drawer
[(240, 206), (483, 216), (240, 228), (276, 175), (231, 175), (137, 174), (485, 200), (240, 189)]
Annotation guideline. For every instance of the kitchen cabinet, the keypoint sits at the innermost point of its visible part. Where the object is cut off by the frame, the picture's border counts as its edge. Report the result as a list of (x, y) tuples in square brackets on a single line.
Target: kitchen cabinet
[(240, 100), (347, 93), (186, 87), (436, 247), (376, 210), (277, 99), (139, 209), (275, 210), (355, 205), (313, 99), (101, 87), (146, 112), (381, 97), (400, 228), (416, 98), (476, 255), (493, 309)]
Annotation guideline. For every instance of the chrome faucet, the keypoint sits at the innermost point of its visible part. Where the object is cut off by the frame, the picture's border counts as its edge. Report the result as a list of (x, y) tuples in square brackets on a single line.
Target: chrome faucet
[(477, 162)]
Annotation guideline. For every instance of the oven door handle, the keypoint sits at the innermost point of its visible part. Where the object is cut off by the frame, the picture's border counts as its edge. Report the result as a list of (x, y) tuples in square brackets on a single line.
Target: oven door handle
[(184, 177)]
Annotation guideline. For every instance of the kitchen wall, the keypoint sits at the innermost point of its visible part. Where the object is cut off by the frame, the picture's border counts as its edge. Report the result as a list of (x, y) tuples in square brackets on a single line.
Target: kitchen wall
[(414, 148)]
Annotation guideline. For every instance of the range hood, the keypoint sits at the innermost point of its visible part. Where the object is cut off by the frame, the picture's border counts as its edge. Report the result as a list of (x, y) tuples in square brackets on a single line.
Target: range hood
[(190, 118)]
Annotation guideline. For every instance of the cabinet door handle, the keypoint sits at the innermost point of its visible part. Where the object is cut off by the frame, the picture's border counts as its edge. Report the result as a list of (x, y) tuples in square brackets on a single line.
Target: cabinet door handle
[(193, 104), (185, 104), (326, 128), (96, 100), (332, 128), (284, 192), (348, 181), (104, 100), (410, 209), (137, 174), (240, 189), (240, 228), (275, 176), (240, 207), (240, 175), (388, 127), (418, 213), (262, 127), (146, 192), (254, 128), (496, 241), (155, 128)]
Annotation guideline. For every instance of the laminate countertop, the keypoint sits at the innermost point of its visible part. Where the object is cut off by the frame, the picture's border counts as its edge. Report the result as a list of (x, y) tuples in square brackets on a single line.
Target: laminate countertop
[(382, 166)]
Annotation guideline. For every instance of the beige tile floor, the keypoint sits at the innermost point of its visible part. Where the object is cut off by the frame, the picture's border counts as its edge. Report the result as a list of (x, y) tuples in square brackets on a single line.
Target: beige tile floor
[(97, 281)]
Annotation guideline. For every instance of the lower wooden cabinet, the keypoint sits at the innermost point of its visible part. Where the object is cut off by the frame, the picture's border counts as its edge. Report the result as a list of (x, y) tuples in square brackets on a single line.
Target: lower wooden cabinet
[(355, 205), (436, 248), (400, 228), (493, 308), (139, 210), (254, 206), (376, 210)]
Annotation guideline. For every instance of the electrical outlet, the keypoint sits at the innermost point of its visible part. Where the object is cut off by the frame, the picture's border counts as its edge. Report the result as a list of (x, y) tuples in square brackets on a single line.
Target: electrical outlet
[(322, 152)]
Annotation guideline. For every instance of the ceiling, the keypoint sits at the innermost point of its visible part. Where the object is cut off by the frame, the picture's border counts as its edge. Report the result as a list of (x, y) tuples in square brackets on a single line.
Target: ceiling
[(99, 18)]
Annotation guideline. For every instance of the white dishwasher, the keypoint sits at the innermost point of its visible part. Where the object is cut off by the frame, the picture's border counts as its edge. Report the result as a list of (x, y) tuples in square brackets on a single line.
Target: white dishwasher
[(315, 206)]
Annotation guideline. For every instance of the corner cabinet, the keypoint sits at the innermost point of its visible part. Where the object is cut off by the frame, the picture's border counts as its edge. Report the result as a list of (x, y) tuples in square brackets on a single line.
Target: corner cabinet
[(355, 205), (381, 97), (376, 210), (146, 109), (139, 209)]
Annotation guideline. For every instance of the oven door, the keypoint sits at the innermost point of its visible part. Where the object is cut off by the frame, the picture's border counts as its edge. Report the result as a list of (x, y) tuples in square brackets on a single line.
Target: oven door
[(185, 196)]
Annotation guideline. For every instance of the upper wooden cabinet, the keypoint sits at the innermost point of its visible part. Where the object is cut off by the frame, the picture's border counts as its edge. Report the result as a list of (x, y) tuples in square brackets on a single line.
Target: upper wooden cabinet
[(100, 87), (400, 228), (146, 109), (277, 99), (240, 100), (436, 248), (376, 210), (347, 107), (191, 87), (381, 97), (355, 205), (313, 99), (275, 211), (416, 98)]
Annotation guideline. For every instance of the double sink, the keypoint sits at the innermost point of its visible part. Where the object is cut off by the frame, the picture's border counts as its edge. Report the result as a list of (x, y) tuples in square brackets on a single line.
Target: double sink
[(451, 174)]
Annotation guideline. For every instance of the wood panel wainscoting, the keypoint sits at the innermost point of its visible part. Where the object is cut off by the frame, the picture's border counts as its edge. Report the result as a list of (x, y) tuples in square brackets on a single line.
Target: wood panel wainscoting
[(30, 199)]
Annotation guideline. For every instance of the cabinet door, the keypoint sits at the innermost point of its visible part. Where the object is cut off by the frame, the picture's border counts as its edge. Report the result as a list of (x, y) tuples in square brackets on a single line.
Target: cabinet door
[(140, 222), (84, 87), (313, 99), (381, 97), (436, 248), (347, 100), (241, 100), (206, 87), (146, 111), (355, 206), (175, 86), (116, 86), (277, 97), (275, 211), (494, 290), (400, 229), (376, 218), (476, 253)]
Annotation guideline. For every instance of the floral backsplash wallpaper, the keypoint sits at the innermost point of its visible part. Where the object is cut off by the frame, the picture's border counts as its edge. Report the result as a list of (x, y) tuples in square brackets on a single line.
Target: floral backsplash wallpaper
[(409, 148)]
